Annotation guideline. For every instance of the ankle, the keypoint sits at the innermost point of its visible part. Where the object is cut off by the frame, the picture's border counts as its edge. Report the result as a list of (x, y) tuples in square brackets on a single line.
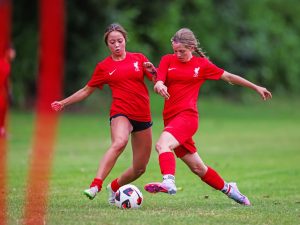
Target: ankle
[(226, 189), (97, 183), (114, 185), (169, 177)]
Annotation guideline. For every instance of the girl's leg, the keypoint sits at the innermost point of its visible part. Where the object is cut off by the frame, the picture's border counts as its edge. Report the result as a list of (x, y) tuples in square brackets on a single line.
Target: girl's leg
[(207, 174), (120, 130), (213, 179), (177, 130), (164, 146), (166, 143), (141, 142)]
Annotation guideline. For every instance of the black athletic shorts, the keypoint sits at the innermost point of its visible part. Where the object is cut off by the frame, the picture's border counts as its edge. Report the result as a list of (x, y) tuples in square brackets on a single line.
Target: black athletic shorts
[(137, 125)]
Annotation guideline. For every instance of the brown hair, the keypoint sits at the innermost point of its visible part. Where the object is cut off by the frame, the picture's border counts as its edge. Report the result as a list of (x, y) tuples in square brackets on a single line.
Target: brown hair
[(186, 37), (114, 27)]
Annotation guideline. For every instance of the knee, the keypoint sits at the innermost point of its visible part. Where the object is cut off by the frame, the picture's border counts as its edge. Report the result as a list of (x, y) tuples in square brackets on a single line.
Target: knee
[(119, 144), (160, 147)]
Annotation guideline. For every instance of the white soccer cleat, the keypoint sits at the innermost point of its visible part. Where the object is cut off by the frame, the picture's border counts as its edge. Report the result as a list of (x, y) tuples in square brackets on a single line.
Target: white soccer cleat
[(111, 195), (91, 192), (167, 186), (234, 193)]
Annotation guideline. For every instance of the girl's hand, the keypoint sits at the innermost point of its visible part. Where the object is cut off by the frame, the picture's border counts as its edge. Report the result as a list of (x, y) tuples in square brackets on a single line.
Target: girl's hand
[(150, 67), (264, 93), (57, 106), (161, 89)]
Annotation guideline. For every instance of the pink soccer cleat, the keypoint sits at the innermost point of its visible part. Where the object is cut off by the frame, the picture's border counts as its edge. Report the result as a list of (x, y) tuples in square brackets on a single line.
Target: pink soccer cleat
[(167, 186), (155, 188)]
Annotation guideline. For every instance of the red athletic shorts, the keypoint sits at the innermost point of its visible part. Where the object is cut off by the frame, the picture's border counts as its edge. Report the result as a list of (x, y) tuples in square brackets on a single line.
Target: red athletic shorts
[(183, 126)]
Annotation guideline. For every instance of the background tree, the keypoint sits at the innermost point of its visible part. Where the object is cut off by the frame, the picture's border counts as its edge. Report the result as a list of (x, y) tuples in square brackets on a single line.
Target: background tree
[(258, 39)]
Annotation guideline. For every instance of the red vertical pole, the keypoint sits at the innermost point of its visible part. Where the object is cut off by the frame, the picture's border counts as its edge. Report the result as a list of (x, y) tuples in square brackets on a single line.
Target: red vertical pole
[(5, 30), (51, 67)]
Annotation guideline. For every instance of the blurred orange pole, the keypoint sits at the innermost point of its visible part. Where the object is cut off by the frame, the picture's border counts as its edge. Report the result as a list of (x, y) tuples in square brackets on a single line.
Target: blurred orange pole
[(5, 30), (51, 69)]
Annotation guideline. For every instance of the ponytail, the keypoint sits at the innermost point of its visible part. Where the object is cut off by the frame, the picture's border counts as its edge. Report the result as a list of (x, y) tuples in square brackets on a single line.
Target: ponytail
[(200, 52)]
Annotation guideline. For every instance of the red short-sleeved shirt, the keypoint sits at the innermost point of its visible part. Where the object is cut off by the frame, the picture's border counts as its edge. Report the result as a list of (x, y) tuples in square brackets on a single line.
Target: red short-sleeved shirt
[(126, 80), (184, 81), (4, 74)]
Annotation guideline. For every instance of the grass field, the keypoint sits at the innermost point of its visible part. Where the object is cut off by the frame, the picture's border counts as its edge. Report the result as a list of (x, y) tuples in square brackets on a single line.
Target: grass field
[(255, 144)]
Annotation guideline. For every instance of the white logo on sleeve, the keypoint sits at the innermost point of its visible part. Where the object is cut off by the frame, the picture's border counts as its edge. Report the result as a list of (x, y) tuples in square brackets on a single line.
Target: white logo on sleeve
[(172, 68), (196, 72), (111, 73), (136, 66)]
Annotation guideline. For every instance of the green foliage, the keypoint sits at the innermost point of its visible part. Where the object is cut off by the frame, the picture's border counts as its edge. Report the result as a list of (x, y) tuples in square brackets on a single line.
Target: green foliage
[(25, 40), (257, 39)]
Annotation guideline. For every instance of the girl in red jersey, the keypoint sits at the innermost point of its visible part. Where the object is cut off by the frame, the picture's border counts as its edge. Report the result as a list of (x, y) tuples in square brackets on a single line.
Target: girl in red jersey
[(124, 73), (180, 76), (5, 69)]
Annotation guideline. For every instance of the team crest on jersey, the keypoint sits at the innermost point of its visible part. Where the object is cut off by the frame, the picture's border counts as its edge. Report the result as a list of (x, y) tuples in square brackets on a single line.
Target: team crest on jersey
[(196, 72), (136, 66)]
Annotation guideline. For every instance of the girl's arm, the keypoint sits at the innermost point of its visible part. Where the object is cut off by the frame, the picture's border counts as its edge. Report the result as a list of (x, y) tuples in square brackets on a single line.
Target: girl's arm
[(235, 79), (76, 97)]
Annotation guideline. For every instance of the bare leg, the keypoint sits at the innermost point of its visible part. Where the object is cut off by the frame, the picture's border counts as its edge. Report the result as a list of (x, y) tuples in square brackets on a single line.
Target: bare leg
[(120, 131), (141, 149), (212, 178), (206, 173), (166, 143), (195, 163), (167, 162)]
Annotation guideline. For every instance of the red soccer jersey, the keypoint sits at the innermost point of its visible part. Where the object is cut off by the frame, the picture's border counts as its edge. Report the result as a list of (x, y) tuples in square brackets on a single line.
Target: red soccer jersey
[(4, 73), (126, 80), (184, 81)]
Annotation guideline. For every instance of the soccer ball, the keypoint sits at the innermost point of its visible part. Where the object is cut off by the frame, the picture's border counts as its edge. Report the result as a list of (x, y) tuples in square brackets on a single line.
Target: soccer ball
[(128, 197)]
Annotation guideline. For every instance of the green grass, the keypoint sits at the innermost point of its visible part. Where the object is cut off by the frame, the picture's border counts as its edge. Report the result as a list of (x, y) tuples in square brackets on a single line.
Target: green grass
[(255, 144)]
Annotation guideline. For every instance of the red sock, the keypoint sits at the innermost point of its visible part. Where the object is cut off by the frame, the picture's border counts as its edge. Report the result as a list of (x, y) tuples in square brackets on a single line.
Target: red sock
[(213, 179), (114, 185), (97, 182), (167, 163)]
